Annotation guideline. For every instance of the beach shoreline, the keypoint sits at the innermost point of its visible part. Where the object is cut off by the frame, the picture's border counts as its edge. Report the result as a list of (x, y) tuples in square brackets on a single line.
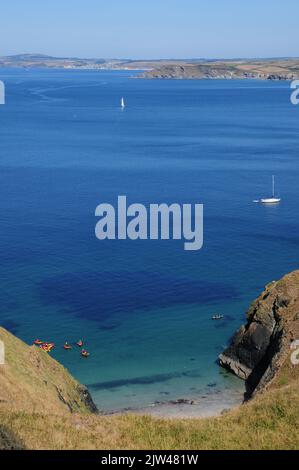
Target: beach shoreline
[(202, 406)]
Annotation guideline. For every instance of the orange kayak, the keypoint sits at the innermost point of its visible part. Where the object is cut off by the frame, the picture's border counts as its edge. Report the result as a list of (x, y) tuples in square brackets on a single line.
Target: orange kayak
[(47, 347)]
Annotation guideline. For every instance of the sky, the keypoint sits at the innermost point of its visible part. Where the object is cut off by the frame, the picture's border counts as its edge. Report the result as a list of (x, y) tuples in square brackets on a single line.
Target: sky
[(150, 29)]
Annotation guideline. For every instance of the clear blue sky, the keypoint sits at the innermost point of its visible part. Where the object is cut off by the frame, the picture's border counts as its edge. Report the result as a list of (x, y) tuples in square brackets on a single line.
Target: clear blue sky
[(150, 28)]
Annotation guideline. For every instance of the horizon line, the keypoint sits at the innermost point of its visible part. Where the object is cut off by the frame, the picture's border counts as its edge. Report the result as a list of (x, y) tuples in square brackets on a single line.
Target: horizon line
[(153, 59)]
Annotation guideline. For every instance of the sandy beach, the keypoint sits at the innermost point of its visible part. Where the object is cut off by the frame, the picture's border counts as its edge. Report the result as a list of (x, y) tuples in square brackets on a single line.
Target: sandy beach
[(204, 406)]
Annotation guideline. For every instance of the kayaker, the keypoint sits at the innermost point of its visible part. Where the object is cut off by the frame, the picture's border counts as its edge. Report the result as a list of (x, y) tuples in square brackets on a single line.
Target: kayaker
[(38, 342)]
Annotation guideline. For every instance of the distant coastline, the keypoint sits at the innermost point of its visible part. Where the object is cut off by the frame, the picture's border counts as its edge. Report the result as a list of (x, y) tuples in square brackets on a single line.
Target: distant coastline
[(262, 69), (285, 69)]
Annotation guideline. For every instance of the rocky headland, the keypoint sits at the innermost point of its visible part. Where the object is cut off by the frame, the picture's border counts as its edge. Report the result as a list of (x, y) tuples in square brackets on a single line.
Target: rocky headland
[(261, 348), (287, 69)]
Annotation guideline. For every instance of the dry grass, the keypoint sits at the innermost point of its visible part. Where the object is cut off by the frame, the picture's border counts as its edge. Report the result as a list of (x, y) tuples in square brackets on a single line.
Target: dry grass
[(270, 421)]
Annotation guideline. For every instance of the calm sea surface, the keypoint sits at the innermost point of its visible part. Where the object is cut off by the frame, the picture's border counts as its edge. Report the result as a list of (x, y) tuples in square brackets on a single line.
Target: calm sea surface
[(143, 307)]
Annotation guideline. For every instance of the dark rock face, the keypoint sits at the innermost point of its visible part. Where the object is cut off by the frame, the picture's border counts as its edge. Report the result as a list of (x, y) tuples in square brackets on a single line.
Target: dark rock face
[(259, 348), (247, 349), (86, 398)]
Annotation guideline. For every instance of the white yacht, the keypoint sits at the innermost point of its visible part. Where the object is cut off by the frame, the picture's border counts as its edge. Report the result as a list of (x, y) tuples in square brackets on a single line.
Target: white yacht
[(273, 199), (122, 103)]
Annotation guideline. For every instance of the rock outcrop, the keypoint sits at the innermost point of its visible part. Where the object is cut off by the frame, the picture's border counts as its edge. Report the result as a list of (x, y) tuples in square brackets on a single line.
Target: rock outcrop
[(260, 348)]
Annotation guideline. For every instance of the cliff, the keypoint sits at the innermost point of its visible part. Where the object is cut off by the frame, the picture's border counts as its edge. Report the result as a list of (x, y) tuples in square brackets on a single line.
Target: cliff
[(260, 351)]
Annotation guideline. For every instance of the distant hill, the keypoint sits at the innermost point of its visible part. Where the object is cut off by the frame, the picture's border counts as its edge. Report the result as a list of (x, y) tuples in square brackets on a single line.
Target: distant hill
[(45, 61), (31, 57)]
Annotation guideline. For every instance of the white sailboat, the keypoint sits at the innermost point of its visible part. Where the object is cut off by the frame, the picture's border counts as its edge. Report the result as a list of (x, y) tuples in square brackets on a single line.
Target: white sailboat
[(273, 199), (122, 103)]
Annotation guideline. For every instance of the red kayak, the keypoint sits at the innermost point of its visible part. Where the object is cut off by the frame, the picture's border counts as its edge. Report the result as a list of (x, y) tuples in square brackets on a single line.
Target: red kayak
[(38, 342)]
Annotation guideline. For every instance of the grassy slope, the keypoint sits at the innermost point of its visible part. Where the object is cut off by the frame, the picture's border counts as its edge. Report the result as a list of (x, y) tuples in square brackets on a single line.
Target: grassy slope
[(32, 380), (270, 421)]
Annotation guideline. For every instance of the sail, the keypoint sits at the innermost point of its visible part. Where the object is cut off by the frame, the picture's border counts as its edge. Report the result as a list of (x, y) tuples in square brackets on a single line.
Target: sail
[(273, 199)]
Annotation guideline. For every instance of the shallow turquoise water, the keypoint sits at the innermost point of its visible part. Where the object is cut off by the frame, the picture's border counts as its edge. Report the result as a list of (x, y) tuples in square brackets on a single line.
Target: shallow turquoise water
[(143, 307)]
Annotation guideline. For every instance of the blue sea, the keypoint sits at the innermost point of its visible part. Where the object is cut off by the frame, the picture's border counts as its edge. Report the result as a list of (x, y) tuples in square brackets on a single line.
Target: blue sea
[(143, 307)]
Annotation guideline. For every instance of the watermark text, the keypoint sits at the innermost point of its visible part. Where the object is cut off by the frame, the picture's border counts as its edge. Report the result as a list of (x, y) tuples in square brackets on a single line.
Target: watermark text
[(2, 93), (156, 222), (2, 353), (295, 353), (295, 93)]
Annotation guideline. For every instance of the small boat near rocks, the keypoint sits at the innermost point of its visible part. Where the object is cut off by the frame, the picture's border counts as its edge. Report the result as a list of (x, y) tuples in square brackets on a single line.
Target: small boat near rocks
[(217, 317)]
